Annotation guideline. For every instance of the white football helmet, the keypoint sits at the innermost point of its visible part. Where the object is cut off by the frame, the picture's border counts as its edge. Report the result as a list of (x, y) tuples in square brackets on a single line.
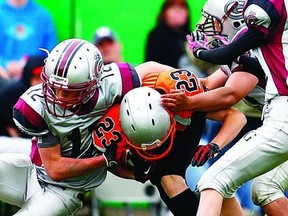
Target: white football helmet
[(222, 17), (74, 65), (146, 123)]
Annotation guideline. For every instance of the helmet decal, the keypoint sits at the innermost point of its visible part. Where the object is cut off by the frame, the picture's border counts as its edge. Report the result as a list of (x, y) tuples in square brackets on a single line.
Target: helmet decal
[(66, 57), (233, 9)]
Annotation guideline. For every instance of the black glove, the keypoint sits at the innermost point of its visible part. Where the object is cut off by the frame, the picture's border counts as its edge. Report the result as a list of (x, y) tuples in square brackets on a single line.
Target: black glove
[(203, 153), (219, 41), (142, 168), (110, 155)]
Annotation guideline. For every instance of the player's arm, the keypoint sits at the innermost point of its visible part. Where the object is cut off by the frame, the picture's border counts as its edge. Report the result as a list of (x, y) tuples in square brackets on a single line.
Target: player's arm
[(59, 168), (237, 86), (122, 171), (225, 55), (151, 67), (233, 122)]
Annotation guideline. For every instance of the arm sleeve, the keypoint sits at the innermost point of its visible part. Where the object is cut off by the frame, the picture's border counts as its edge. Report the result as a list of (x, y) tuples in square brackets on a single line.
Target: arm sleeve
[(47, 140), (225, 55)]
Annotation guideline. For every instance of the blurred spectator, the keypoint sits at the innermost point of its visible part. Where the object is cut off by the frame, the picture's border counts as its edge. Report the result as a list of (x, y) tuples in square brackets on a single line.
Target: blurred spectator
[(165, 43), (11, 93), (25, 27), (108, 44)]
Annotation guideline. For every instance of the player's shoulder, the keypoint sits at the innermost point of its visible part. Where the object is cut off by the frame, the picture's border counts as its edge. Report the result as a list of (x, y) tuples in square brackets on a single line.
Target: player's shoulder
[(28, 112), (181, 79), (33, 96), (119, 78), (119, 67), (261, 13), (108, 129)]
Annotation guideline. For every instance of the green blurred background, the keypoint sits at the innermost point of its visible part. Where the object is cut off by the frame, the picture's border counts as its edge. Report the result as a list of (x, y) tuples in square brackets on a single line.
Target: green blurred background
[(131, 20)]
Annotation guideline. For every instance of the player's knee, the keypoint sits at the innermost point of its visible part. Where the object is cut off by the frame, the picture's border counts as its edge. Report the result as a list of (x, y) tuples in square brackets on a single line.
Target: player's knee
[(14, 163), (256, 194), (264, 192), (173, 184)]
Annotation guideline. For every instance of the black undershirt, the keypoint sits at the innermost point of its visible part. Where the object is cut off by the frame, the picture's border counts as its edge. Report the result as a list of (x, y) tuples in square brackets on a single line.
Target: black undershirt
[(225, 55)]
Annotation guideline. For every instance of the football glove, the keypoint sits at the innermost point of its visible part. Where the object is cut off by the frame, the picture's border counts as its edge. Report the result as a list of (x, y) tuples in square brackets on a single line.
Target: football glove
[(110, 155), (197, 42), (203, 153), (219, 41), (142, 168)]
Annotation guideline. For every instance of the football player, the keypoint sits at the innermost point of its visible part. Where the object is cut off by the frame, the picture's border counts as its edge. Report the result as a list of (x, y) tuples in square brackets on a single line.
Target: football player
[(266, 31), (76, 91), (223, 22), (151, 133)]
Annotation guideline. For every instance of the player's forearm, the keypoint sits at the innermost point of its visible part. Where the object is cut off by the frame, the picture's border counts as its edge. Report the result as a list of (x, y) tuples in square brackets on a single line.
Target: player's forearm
[(225, 55), (217, 99), (233, 123), (121, 171), (65, 168)]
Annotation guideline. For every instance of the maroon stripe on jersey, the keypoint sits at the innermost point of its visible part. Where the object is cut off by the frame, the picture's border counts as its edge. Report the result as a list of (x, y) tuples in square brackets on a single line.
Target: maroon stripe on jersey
[(130, 78), (28, 117)]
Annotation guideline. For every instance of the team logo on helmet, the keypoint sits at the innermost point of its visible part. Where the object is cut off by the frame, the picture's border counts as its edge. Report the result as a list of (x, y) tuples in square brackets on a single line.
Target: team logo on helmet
[(234, 9)]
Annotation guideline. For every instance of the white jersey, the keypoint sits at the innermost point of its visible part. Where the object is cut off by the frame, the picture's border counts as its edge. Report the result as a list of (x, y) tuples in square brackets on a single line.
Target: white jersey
[(267, 21), (75, 133)]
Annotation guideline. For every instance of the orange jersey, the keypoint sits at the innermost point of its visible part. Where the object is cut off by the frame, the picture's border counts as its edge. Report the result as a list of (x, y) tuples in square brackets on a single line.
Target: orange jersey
[(180, 79), (108, 131)]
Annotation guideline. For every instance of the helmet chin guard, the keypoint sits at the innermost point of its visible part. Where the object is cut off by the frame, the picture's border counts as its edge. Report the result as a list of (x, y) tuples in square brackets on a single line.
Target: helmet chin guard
[(146, 124), (163, 149)]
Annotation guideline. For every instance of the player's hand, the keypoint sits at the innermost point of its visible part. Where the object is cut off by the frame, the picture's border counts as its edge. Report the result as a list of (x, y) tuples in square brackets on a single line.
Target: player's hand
[(203, 153), (123, 154), (142, 168), (198, 42), (175, 101), (110, 155), (219, 41)]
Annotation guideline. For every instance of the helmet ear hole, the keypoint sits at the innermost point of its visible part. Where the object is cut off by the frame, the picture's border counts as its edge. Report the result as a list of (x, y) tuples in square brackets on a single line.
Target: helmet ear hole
[(236, 24)]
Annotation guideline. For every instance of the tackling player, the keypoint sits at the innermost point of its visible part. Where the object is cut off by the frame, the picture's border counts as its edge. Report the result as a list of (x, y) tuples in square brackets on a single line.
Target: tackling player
[(76, 91)]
